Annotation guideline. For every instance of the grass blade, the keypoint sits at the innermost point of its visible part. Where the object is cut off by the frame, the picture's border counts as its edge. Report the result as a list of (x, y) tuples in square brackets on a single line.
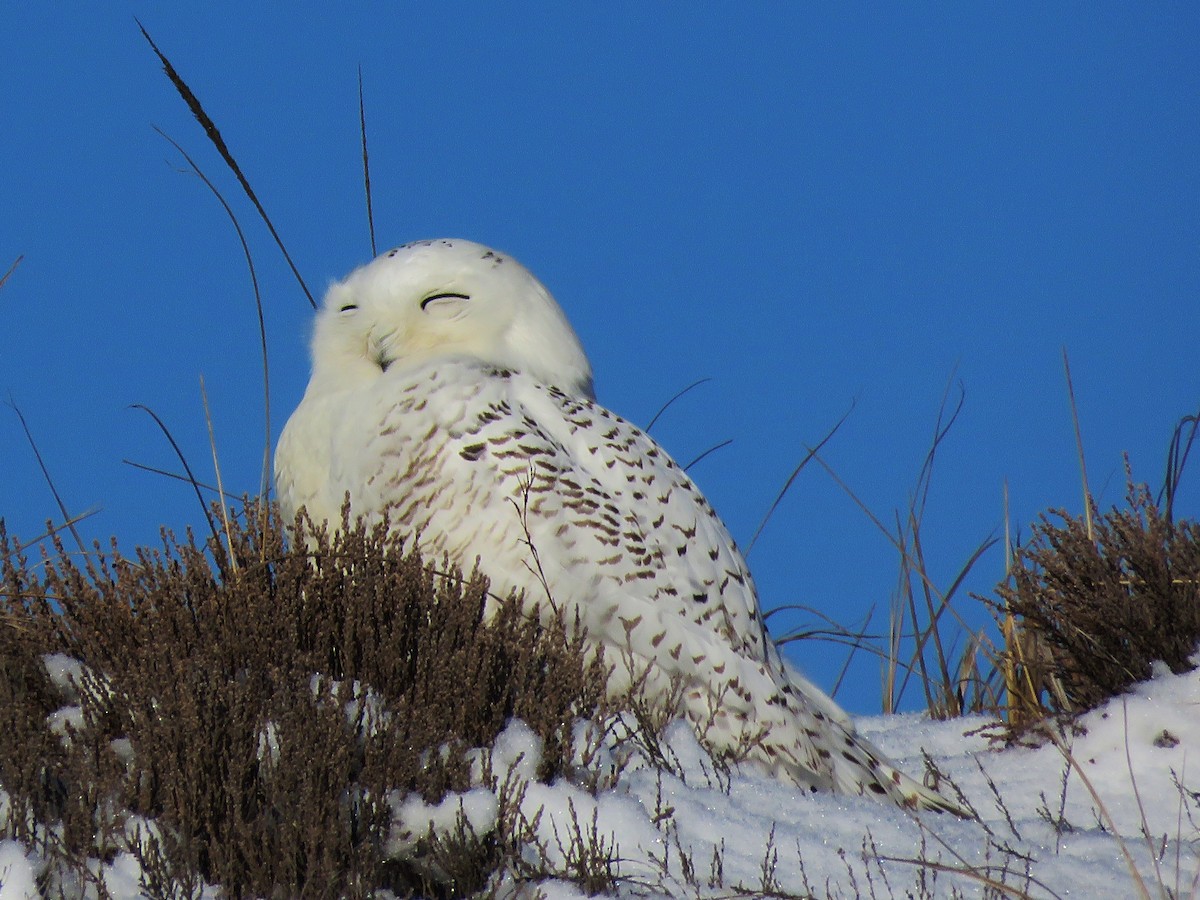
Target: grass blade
[(210, 129), (169, 474), (11, 269), (191, 478), (362, 128), (667, 405), (212, 443), (713, 449), (62, 507), (1087, 492), (812, 451), (262, 325)]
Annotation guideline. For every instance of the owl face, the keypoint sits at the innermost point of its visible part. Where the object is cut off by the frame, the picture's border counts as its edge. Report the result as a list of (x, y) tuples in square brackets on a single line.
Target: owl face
[(444, 299)]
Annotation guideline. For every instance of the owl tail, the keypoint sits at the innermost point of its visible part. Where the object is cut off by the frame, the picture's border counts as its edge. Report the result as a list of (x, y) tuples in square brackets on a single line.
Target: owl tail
[(801, 735), (829, 746), (884, 780)]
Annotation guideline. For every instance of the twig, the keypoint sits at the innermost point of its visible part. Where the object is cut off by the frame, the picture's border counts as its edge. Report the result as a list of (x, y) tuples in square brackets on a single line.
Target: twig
[(50, 532), (1058, 742), (1137, 795), (1008, 629), (978, 874), (838, 634)]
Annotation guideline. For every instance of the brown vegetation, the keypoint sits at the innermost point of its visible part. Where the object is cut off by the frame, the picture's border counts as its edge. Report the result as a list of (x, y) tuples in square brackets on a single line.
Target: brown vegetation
[(1091, 610), (261, 709)]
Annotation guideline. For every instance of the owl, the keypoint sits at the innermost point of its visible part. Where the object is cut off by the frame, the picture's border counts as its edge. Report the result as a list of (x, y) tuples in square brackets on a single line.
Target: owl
[(450, 393)]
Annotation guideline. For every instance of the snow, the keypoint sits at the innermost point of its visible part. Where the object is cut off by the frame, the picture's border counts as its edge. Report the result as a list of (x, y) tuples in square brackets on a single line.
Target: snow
[(1110, 811), (19, 869), (415, 819), (65, 673)]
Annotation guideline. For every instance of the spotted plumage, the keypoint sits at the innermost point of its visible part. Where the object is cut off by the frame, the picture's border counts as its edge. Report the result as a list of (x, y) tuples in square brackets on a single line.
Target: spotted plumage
[(450, 392)]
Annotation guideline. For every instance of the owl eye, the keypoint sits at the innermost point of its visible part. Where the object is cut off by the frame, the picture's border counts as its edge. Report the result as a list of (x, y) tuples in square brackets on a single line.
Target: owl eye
[(349, 307), (445, 304)]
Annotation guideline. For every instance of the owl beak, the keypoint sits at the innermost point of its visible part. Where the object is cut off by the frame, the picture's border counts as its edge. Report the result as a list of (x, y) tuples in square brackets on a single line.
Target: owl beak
[(380, 351)]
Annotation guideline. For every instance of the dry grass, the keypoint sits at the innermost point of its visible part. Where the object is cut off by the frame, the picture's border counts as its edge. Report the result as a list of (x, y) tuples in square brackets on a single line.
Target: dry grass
[(1093, 614), (1089, 605), (260, 705), (1092, 602), (928, 645)]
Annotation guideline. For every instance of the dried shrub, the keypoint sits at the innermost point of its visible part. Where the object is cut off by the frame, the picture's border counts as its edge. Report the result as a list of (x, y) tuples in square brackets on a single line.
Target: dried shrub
[(29, 753), (1093, 614), (255, 704)]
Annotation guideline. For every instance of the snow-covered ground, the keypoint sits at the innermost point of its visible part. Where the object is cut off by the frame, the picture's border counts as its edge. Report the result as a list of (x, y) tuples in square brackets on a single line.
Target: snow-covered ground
[(1042, 831), (1134, 754)]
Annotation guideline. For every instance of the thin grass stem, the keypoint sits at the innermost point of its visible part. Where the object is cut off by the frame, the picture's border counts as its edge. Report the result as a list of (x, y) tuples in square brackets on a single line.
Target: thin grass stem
[(812, 452), (362, 129), (1087, 492), (68, 519), (11, 269), (214, 136)]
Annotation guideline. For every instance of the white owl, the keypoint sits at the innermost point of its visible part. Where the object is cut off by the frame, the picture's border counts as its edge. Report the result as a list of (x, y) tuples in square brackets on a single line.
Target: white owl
[(449, 389)]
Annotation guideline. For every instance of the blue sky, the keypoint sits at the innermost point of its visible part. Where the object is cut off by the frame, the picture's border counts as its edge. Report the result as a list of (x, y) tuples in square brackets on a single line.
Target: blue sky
[(812, 206)]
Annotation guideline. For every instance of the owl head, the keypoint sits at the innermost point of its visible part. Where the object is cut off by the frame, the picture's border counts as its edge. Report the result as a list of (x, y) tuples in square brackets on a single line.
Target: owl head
[(444, 299)]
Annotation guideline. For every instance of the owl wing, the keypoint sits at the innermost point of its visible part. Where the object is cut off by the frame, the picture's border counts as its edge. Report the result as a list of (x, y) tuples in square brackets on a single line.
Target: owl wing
[(558, 499)]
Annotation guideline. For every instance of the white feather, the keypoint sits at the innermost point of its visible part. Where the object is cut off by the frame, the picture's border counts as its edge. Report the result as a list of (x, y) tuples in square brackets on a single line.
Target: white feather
[(450, 392)]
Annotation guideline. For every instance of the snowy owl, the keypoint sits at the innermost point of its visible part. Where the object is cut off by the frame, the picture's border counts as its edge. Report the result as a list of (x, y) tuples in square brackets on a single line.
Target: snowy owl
[(449, 390)]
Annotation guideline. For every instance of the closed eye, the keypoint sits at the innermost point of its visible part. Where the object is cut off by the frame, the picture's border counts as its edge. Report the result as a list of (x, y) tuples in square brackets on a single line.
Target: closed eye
[(349, 307), (449, 295)]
